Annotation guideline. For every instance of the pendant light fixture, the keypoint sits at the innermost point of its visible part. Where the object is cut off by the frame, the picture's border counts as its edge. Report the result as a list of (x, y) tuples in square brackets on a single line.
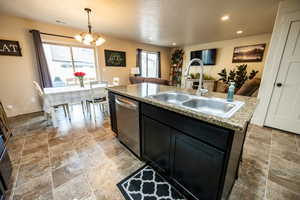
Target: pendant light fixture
[(89, 38)]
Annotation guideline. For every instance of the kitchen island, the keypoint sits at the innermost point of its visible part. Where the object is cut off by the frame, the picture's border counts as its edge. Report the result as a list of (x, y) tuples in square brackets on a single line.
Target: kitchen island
[(197, 152)]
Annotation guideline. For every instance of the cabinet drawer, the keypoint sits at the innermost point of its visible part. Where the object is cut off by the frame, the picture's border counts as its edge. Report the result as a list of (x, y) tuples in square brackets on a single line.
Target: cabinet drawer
[(206, 132)]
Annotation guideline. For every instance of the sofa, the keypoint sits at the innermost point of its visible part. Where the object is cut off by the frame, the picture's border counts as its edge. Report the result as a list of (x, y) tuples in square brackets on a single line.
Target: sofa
[(249, 88), (139, 79)]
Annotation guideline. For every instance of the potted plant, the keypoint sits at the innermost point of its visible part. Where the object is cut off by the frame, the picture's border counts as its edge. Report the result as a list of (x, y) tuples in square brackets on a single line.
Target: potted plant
[(208, 81), (238, 75), (80, 76), (176, 66)]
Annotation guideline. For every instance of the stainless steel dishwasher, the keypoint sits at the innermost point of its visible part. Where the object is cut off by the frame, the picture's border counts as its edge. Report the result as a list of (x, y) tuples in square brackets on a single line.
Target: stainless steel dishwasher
[(127, 113)]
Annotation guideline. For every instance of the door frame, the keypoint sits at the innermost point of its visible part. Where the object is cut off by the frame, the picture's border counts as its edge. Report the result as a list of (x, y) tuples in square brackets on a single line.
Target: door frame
[(274, 58)]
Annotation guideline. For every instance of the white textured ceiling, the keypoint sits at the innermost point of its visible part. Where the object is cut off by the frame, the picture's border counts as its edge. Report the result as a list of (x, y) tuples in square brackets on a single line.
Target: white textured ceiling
[(165, 21)]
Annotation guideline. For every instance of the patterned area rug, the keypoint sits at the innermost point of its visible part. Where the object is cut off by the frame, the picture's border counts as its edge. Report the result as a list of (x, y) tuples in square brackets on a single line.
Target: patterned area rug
[(146, 184)]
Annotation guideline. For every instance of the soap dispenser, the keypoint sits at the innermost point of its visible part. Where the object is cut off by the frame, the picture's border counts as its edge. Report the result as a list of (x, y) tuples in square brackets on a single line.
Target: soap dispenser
[(230, 92)]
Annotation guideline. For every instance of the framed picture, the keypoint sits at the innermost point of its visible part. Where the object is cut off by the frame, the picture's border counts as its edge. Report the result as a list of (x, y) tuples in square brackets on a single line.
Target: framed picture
[(10, 48), (251, 53), (115, 58)]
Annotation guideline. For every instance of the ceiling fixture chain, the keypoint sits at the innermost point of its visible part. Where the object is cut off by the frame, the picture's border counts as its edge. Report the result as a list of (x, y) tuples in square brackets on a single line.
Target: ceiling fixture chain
[(89, 38)]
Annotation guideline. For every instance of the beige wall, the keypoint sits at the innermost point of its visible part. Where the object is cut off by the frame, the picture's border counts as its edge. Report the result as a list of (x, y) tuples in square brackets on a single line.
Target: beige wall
[(17, 73), (225, 52)]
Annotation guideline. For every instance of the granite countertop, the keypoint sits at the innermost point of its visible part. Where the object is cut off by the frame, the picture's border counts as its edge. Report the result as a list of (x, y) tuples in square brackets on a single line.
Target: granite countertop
[(141, 92)]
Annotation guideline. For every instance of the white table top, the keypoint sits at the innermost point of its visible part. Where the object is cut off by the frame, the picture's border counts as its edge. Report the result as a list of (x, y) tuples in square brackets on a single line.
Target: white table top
[(71, 89)]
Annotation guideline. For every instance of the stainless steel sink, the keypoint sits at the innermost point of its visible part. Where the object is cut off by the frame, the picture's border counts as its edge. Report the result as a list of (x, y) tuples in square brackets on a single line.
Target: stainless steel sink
[(211, 106), (175, 98), (217, 107)]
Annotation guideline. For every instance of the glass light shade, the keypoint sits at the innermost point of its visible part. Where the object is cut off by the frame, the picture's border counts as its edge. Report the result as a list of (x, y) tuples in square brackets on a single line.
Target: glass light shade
[(86, 42), (100, 41), (78, 38), (88, 37)]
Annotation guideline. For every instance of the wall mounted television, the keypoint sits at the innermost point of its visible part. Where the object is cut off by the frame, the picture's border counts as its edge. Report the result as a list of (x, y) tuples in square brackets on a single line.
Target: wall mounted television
[(208, 56)]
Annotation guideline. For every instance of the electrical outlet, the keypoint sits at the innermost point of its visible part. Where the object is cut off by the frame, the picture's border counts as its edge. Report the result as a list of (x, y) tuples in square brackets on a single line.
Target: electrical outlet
[(33, 100), (10, 107)]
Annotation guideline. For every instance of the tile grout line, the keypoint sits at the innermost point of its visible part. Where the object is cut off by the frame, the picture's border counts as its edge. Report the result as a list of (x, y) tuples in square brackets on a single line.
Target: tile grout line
[(269, 166), (297, 145), (51, 177), (18, 170), (90, 186), (86, 175)]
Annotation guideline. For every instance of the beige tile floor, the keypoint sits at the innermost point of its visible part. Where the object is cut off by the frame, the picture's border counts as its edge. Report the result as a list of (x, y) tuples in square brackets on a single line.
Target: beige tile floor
[(83, 160)]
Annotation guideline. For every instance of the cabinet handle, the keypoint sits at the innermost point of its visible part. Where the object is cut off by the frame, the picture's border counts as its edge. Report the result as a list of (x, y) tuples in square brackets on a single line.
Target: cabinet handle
[(125, 103), (278, 84)]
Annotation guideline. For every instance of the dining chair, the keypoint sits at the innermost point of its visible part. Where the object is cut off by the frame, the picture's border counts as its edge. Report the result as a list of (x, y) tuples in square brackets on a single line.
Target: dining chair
[(70, 81), (41, 95), (98, 96)]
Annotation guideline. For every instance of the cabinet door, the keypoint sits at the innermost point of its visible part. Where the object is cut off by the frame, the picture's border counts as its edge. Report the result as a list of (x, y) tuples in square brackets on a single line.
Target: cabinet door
[(112, 111), (196, 166), (156, 138)]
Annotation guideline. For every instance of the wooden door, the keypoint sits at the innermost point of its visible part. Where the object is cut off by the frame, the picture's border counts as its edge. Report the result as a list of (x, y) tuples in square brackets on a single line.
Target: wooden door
[(284, 108)]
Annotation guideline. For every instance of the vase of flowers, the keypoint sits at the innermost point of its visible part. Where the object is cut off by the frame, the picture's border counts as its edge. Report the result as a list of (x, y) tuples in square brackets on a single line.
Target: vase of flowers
[(80, 76)]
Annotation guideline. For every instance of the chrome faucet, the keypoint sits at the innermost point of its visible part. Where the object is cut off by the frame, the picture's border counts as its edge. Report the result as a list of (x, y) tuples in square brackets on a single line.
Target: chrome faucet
[(200, 89)]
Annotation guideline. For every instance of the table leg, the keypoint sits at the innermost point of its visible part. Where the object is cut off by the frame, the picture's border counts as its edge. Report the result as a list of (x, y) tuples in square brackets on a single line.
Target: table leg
[(53, 117), (83, 107)]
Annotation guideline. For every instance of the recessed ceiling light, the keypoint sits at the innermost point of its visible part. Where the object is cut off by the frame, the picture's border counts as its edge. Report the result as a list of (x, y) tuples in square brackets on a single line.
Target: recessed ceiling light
[(239, 32), (150, 38), (225, 17), (174, 44)]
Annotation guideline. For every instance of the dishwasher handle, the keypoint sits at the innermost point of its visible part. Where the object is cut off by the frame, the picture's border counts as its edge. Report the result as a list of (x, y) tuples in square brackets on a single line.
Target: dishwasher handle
[(126, 103)]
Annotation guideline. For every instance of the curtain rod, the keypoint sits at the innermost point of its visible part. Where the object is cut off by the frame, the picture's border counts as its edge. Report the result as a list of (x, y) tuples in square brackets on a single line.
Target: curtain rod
[(56, 35)]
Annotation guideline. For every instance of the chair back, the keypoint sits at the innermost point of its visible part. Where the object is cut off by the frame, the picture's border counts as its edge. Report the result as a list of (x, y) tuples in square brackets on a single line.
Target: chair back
[(71, 81), (98, 89), (38, 89)]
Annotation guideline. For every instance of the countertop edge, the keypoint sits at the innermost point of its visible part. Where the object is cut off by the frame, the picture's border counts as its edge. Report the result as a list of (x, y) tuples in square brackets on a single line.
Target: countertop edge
[(182, 111)]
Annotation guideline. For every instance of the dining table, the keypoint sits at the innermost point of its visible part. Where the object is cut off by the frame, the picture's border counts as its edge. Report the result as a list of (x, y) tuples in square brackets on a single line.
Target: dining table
[(70, 95)]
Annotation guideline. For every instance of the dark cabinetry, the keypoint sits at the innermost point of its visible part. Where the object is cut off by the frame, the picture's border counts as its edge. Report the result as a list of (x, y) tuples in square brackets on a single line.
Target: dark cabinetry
[(5, 130), (182, 149), (156, 139), (112, 111), (200, 159), (196, 166), (5, 163)]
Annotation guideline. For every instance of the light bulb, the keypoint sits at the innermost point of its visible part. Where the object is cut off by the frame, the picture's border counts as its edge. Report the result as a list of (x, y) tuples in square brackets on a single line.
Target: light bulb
[(225, 17), (88, 37), (100, 41), (86, 42), (78, 38)]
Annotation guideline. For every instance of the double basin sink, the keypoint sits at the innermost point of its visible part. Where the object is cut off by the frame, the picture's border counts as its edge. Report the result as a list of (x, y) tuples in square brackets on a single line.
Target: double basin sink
[(211, 106)]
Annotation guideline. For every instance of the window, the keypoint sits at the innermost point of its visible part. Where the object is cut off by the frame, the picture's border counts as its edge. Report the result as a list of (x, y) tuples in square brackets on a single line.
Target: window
[(64, 60), (150, 64)]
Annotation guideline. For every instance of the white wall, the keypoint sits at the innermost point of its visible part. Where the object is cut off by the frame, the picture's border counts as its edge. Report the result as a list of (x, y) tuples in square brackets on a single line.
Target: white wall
[(286, 7), (225, 53)]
